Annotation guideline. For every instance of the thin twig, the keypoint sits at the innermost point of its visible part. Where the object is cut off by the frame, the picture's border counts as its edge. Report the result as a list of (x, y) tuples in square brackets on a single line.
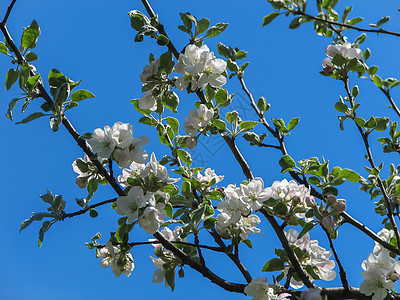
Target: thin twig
[(82, 211), (392, 103), (364, 136), (299, 12), (342, 272)]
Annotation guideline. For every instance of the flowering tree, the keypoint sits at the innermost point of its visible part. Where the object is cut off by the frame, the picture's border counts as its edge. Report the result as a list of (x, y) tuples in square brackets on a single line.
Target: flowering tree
[(180, 210)]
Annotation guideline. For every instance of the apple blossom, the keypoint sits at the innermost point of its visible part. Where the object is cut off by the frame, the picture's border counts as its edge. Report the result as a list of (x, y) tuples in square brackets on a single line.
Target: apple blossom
[(130, 204), (121, 262), (152, 218), (102, 142), (259, 289), (254, 193)]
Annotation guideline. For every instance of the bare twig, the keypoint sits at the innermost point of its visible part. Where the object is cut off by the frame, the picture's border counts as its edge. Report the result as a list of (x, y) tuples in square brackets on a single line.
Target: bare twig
[(342, 272)]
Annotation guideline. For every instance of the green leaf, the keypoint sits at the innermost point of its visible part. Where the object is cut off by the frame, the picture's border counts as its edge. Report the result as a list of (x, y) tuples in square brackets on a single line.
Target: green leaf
[(56, 78), (381, 123), (11, 106), (184, 157), (371, 123), (339, 60), (247, 242), (293, 123), (27, 222), (62, 94), (162, 40), (219, 124), (174, 124), (341, 107), (221, 96), (32, 117), (93, 213), (210, 92), (295, 23), (306, 228), (138, 19), (170, 278), (3, 48), (170, 100), (81, 95), (287, 163), (350, 175), (269, 18), (30, 56), (216, 29), (223, 50), (45, 226), (11, 77), (377, 80), (366, 54), (355, 21), (187, 20), (30, 36), (247, 125), (202, 26), (359, 121), (274, 264), (262, 105)]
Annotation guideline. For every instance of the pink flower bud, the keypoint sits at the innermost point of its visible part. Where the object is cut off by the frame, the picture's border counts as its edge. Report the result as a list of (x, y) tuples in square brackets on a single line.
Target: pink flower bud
[(340, 206), (311, 294), (191, 143), (310, 201), (394, 277), (331, 200), (328, 223)]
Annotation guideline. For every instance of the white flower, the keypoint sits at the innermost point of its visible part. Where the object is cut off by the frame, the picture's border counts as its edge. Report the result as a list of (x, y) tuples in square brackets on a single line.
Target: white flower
[(199, 67), (345, 50), (254, 193), (122, 134), (152, 218), (149, 70), (83, 178), (135, 170), (130, 204), (159, 274), (259, 289), (134, 152), (375, 282), (385, 235), (159, 170), (148, 101), (102, 142), (318, 257), (248, 225), (120, 262), (209, 175), (381, 261)]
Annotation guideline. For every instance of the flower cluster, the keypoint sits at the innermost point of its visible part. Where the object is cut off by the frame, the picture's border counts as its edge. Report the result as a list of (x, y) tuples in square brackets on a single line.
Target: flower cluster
[(380, 270), (344, 50), (118, 144), (197, 119), (121, 262), (259, 289), (235, 218), (145, 203), (317, 258), (199, 67)]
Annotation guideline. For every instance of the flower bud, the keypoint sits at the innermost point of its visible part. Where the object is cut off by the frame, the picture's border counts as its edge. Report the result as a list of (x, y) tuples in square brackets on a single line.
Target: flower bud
[(191, 143), (328, 223), (394, 277), (340, 206), (311, 294), (310, 201), (331, 200)]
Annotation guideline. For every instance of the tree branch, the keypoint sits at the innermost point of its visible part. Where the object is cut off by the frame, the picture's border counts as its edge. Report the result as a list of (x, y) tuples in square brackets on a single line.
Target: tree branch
[(10, 7), (364, 136), (299, 12), (342, 272)]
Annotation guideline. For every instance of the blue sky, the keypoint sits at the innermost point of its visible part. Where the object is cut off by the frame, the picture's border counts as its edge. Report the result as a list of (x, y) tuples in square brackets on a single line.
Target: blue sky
[(92, 41)]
